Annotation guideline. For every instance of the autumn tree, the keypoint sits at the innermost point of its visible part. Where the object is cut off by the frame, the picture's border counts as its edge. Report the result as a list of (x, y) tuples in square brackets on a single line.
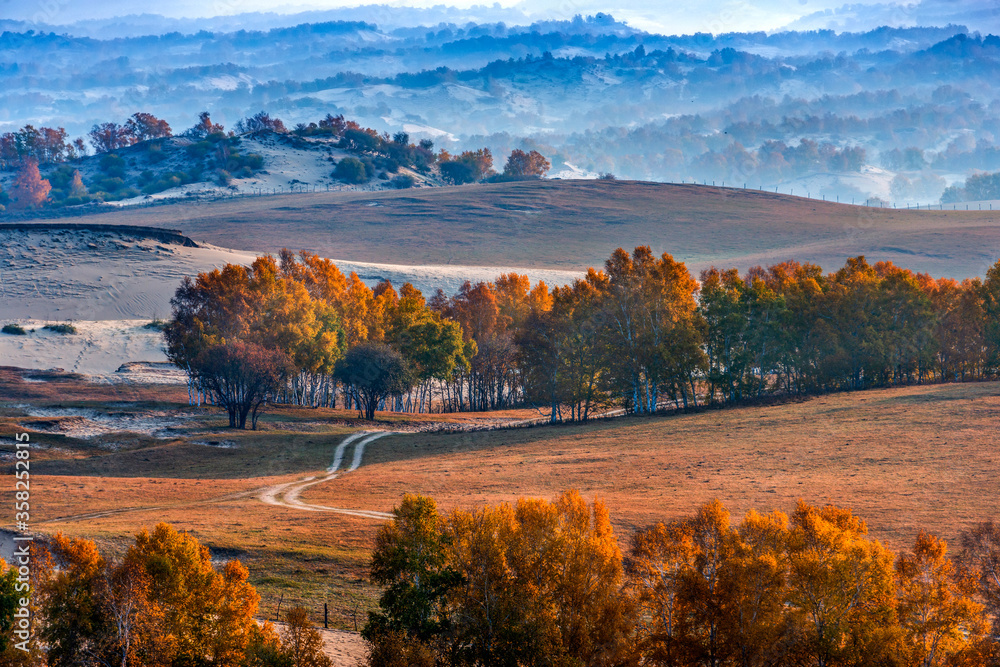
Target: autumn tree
[(374, 371), (301, 641), (940, 621), (30, 189), (410, 560), (242, 377), (204, 127), (842, 584), (538, 579), (991, 308), (979, 562), (12, 594), (73, 624), (713, 594), (534, 583), (259, 123), (109, 137), (469, 167), (46, 145), (144, 126), (648, 306), (262, 304), (77, 188), (207, 614), (526, 165)]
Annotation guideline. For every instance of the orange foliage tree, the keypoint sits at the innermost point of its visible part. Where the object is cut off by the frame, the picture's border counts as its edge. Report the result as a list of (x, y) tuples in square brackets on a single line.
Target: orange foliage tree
[(30, 189)]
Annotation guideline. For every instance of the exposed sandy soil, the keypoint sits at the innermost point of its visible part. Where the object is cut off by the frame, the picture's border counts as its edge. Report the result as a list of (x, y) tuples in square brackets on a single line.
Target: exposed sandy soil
[(98, 348), (110, 285), (575, 224), (90, 275)]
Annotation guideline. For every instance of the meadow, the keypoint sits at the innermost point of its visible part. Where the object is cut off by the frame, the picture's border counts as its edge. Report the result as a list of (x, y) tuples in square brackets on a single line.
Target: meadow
[(903, 459)]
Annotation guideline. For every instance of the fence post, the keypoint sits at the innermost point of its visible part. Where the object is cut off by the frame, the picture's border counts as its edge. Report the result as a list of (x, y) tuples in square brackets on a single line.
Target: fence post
[(325, 614)]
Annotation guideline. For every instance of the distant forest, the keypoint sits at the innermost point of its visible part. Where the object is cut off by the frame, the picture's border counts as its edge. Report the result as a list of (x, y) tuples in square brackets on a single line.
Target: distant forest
[(899, 114)]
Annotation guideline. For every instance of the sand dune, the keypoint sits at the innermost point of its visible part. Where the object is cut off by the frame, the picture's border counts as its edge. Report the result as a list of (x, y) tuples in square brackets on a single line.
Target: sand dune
[(110, 284)]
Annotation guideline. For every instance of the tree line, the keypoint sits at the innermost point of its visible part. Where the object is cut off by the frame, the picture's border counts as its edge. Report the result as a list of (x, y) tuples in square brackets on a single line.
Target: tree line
[(161, 604), (640, 335), (546, 583)]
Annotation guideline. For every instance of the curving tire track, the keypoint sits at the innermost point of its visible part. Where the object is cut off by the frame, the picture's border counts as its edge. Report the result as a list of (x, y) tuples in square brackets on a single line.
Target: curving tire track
[(287, 494), (280, 495)]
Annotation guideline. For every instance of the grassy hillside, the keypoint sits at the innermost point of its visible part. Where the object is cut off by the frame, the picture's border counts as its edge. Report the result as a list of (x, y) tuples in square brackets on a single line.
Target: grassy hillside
[(575, 224)]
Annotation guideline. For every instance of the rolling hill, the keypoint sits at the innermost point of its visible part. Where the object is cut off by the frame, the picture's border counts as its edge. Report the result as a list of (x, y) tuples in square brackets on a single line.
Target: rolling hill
[(573, 224)]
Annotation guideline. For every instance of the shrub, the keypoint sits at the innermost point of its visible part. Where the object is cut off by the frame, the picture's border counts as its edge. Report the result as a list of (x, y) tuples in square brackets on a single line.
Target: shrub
[(155, 325), (13, 330), (402, 182), (156, 154), (254, 160), (350, 170), (113, 166), (60, 328), (199, 149), (112, 184), (458, 172)]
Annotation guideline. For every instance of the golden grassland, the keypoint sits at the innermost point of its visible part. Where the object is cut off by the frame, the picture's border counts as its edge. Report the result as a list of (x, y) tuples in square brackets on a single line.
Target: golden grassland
[(903, 459), (574, 224)]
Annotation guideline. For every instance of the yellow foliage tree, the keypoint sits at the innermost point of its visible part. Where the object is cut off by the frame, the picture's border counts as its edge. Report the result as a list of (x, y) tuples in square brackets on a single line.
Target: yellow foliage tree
[(939, 619)]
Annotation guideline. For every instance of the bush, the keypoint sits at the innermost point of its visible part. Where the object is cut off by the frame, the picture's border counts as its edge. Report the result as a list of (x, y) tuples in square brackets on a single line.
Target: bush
[(458, 172), (254, 160), (155, 325), (402, 182), (60, 328), (199, 149), (112, 184), (225, 178), (351, 170), (113, 166), (14, 330), (156, 154)]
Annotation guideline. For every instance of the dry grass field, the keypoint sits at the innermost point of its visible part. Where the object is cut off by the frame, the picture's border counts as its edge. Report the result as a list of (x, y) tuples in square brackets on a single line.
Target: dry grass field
[(576, 224), (904, 459)]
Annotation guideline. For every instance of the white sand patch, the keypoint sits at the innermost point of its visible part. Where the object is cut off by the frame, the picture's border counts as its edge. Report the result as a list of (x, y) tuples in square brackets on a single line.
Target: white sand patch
[(98, 347), (86, 423), (449, 278), (62, 275)]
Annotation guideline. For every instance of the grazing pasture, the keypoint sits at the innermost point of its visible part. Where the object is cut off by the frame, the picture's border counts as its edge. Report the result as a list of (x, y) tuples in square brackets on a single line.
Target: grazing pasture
[(903, 459)]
